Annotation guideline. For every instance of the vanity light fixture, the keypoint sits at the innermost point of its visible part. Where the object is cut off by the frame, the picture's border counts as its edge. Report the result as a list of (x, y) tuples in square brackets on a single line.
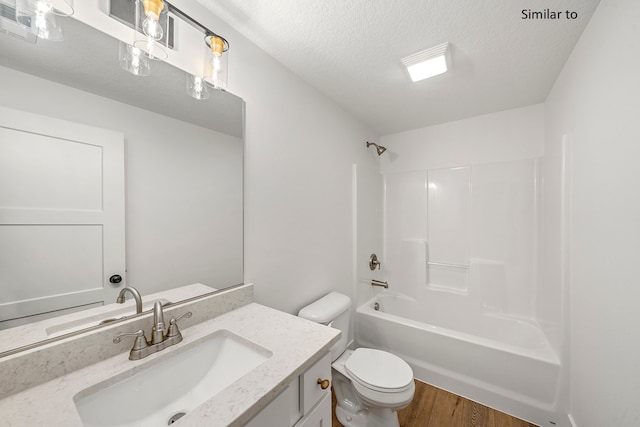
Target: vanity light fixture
[(215, 67), (197, 87), (151, 25), (428, 63), (40, 17), (154, 35), (134, 60), (150, 34)]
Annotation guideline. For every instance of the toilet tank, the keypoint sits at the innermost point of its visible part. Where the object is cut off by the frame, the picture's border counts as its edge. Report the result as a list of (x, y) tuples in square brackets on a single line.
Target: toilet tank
[(332, 310)]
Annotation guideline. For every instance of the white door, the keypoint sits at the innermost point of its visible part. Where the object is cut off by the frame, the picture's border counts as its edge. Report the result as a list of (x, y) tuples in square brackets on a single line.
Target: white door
[(61, 216)]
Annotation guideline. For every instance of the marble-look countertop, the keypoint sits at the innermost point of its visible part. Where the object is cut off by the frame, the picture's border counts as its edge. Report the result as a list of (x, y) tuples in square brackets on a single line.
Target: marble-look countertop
[(296, 344)]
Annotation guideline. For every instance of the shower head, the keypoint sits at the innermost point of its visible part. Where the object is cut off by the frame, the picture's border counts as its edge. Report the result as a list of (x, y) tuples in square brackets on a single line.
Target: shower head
[(379, 148)]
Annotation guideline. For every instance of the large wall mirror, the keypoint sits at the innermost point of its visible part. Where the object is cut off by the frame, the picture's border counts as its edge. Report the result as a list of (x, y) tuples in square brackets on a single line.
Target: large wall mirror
[(182, 175)]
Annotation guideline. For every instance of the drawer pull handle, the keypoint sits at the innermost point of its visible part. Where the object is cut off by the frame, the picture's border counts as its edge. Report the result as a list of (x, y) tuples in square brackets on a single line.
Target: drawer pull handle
[(324, 384)]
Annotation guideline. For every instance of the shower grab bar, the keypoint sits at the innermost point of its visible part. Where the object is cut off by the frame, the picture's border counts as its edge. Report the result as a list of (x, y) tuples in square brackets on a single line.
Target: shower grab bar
[(444, 264), (379, 283)]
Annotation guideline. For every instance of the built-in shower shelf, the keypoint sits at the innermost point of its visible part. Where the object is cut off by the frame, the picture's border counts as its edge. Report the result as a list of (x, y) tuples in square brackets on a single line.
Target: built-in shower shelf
[(448, 277)]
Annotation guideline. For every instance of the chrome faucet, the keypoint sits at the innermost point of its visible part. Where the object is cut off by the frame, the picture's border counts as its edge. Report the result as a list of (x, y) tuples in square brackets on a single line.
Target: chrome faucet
[(157, 331), (159, 338), (136, 295)]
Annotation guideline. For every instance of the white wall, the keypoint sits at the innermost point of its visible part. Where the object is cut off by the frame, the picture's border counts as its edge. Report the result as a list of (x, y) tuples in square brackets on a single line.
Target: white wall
[(175, 174), (299, 152), (504, 136), (596, 103)]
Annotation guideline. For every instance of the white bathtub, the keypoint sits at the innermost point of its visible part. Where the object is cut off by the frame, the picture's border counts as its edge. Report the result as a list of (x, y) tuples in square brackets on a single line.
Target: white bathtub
[(501, 362)]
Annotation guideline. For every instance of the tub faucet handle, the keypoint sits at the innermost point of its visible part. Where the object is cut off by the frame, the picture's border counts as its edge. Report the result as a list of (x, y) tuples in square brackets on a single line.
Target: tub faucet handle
[(373, 262)]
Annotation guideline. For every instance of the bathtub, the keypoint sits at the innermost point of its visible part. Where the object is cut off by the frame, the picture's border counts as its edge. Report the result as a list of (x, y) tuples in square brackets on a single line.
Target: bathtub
[(501, 362)]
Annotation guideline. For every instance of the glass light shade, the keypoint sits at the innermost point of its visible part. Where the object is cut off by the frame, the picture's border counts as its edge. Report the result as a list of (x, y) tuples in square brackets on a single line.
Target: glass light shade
[(216, 65), (196, 87), (57, 7), (151, 28), (40, 17), (134, 60)]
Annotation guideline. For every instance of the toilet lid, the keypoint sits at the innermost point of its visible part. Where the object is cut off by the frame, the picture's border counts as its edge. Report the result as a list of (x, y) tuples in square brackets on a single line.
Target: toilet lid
[(379, 370)]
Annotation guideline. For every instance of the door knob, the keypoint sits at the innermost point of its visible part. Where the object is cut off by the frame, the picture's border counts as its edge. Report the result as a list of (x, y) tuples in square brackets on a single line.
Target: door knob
[(115, 279)]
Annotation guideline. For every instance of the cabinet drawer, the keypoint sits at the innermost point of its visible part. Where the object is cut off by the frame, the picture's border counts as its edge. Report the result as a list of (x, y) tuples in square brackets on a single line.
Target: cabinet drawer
[(310, 391)]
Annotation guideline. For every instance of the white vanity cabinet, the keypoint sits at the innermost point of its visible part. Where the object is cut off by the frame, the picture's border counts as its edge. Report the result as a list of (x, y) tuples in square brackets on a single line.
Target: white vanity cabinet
[(304, 403)]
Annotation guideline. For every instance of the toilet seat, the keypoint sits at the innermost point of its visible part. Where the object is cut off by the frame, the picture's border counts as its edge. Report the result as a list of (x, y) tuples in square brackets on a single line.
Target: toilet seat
[(379, 371)]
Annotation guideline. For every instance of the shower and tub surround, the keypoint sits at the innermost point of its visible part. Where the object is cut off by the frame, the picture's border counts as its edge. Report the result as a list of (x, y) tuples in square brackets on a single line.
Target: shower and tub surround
[(502, 362), (461, 230), (465, 230)]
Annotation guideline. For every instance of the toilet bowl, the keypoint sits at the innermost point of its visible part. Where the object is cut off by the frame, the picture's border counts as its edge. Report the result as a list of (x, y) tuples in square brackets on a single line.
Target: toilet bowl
[(370, 385)]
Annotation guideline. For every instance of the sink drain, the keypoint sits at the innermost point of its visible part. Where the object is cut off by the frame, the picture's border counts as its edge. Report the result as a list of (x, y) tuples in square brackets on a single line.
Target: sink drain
[(176, 417)]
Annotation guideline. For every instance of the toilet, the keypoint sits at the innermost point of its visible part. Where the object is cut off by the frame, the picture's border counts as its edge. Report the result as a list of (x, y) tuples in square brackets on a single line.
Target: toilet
[(370, 385)]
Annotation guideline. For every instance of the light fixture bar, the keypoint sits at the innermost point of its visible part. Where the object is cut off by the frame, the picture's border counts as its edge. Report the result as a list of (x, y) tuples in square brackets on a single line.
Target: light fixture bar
[(123, 11), (428, 63)]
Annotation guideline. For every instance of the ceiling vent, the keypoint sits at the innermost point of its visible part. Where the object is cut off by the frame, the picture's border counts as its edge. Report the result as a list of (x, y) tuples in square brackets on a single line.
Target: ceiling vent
[(8, 24)]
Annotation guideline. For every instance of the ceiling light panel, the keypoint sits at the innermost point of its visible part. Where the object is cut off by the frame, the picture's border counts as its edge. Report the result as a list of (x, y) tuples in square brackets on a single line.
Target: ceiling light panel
[(428, 63)]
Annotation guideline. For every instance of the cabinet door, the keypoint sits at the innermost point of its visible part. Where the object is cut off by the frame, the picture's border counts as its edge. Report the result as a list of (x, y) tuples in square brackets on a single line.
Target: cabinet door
[(61, 215), (276, 413), (311, 390), (320, 416)]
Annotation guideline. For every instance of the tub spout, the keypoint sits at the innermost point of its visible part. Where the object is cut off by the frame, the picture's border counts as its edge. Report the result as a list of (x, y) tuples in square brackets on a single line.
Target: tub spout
[(379, 283)]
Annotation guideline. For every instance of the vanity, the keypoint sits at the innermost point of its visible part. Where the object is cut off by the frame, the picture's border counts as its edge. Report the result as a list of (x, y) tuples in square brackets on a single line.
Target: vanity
[(239, 363)]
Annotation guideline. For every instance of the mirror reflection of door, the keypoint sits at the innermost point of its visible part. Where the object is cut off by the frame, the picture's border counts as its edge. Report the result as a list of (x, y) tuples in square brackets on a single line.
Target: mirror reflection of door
[(61, 217)]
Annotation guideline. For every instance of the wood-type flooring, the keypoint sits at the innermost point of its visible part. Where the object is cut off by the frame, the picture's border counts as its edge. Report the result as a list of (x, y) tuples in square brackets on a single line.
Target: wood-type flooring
[(434, 407)]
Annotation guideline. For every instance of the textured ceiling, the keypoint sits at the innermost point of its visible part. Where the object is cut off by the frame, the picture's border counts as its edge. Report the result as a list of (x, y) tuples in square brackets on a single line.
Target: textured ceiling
[(351, 51)]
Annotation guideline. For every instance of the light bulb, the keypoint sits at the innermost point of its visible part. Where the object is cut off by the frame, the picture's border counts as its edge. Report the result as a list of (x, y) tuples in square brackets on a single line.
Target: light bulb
[(216, 66), (135, 60), (196, 87), (41, 24), (40, 21), (42, 7), (152, 27), (215, 69)]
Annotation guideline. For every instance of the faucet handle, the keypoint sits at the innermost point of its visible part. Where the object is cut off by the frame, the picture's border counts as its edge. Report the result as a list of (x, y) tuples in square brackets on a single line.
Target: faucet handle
[(138, 344), (173, 324)]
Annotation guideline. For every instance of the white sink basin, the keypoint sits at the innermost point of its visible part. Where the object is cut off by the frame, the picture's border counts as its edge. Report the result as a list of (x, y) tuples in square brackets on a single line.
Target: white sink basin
[(172, 385)]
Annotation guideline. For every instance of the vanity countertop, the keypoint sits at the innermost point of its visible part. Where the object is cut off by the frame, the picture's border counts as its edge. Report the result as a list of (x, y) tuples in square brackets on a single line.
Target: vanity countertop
[(296, 344)]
